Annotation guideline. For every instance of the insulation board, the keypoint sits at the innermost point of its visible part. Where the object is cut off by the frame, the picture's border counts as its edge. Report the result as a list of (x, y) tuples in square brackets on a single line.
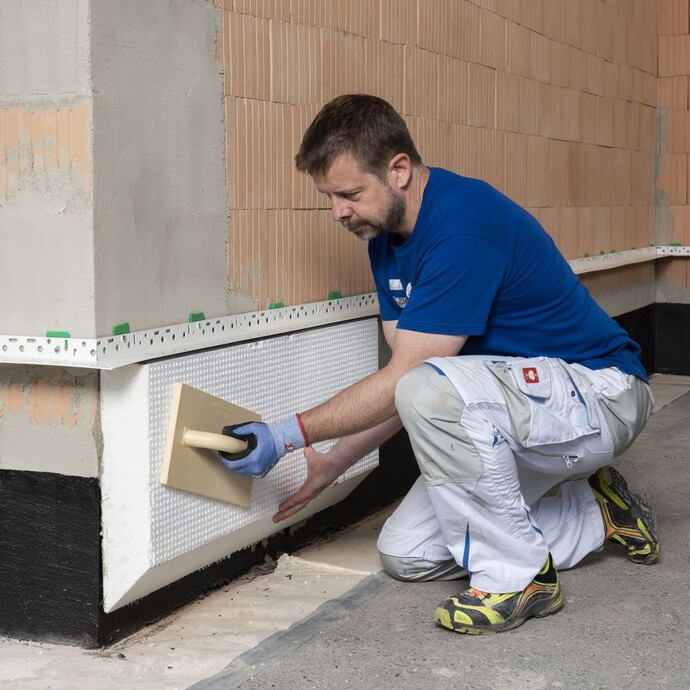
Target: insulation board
[(146, 524)]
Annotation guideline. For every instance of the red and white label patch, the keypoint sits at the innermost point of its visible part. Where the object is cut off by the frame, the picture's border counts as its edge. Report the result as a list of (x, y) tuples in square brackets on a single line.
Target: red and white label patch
[(531, 374)]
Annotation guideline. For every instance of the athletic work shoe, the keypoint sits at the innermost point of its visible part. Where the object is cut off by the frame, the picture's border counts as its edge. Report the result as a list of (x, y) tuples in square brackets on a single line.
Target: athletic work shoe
[(628, 519), (476, 612)]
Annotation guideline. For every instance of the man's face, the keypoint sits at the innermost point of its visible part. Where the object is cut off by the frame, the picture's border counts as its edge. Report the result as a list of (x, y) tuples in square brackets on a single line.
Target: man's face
[(360, 201)]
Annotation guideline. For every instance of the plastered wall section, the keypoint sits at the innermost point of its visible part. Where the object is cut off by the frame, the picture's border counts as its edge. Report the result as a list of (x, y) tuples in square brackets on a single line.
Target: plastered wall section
[(49, 420), (48, 416), (673, 197), (159, 177), (551, 101), (46, 190)]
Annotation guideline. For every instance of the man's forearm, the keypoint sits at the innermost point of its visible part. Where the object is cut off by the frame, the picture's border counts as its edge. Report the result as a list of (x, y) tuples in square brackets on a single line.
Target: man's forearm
[(362, 406), (352, 448), (371, 401)]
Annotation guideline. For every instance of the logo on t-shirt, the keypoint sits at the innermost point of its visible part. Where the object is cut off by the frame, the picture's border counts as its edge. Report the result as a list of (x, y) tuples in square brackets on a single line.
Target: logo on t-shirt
[(399, 293), (531, 375)]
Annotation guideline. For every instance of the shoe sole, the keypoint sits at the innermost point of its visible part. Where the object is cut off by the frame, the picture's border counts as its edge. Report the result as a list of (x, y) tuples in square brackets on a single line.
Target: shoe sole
[(442, 619), (615, 489)]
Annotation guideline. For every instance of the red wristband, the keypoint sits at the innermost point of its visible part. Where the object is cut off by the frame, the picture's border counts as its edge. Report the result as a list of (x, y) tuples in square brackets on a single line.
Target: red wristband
[(301, 428)]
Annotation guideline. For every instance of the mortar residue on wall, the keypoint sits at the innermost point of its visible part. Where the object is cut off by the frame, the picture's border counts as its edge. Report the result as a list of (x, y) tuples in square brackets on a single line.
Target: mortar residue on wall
[(46, 219), (49, 420), (46, 231)]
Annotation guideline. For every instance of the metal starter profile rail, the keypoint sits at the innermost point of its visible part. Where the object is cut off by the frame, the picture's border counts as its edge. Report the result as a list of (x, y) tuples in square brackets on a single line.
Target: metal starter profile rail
[(110, 352), (603, 262)]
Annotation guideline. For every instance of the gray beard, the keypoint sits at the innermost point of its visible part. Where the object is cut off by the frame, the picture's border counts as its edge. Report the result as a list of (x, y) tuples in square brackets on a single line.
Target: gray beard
[(390, 225)]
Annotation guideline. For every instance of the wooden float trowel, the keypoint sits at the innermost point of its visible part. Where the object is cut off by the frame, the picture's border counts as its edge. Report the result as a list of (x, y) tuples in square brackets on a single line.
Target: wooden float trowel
[(191, 460)]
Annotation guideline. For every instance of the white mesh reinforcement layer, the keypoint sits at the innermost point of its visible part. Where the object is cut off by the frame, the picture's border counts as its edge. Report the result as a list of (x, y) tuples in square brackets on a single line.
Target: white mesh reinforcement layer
[(274, 377)]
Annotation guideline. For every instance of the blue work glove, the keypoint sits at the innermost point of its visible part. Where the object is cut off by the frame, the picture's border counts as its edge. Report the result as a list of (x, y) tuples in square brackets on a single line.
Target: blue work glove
[(267, 443)]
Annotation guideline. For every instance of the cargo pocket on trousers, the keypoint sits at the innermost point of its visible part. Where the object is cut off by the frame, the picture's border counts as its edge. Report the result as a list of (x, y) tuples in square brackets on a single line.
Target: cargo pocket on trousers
[(544, 403)]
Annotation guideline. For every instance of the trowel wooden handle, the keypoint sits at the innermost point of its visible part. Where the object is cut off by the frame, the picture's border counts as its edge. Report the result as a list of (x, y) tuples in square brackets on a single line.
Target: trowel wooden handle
[(205, 439)]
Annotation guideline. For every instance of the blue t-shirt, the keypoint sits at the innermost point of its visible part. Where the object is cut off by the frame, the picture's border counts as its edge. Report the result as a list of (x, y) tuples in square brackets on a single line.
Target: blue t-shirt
[(477, 264)]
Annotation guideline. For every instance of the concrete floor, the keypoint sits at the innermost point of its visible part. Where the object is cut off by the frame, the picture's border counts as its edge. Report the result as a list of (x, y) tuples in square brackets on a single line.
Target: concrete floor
[(327, 618)]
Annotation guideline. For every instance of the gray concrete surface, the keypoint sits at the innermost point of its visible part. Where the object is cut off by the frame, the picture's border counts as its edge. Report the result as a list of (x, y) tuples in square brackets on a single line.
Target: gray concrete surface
[(623, 625)]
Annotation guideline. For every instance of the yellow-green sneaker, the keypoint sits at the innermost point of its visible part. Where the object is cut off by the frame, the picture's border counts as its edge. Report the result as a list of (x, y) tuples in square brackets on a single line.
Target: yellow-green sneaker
[(477, 612), (628, 518)]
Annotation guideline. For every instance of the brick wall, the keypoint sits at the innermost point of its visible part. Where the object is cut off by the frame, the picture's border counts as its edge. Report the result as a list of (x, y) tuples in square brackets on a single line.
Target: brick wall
[(674, 140), (552, 101)]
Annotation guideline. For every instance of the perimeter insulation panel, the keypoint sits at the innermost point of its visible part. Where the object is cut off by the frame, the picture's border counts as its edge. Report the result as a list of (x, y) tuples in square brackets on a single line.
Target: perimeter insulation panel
[(274, 377)]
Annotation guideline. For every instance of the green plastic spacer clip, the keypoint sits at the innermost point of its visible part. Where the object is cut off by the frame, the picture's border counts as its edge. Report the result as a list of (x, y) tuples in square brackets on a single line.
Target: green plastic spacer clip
[(276, 305), (602, 252), (586, 255), (335, 294), (59, 334), (196, 316), (676, 244), (121, 328)]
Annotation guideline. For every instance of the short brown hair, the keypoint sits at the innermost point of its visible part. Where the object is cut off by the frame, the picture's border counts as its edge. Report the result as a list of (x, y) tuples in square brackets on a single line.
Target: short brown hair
[(366, 127)]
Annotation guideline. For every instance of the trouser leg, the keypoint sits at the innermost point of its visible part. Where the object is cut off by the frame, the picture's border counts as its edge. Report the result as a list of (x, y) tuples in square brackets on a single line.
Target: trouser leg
[(411, 545), (475, 488), (412, 548), (571, 523), (483, 515)]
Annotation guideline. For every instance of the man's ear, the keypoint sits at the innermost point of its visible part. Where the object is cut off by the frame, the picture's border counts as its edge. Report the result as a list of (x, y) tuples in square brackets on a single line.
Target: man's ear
[(400, 171)]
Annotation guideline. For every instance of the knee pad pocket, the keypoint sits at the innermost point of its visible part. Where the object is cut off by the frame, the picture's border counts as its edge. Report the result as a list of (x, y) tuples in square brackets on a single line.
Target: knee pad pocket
[(430, 408)]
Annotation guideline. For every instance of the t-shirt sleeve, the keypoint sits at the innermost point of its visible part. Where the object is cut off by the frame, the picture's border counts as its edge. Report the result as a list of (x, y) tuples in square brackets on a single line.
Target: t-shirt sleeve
[(455, 286), (389, 310)]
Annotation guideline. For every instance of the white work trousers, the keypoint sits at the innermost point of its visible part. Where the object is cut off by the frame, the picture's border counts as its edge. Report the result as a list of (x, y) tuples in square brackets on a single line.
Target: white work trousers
[(491, 437)]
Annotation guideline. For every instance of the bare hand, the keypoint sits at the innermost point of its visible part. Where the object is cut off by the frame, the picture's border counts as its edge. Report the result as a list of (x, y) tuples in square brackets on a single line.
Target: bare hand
[(321, 473)]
